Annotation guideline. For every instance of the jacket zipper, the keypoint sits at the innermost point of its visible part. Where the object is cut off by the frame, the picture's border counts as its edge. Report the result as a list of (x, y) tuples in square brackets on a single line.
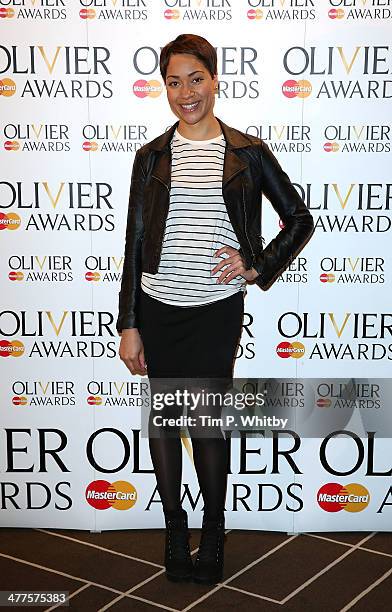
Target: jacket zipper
[(164, 227), (246, 223), (161, 181)]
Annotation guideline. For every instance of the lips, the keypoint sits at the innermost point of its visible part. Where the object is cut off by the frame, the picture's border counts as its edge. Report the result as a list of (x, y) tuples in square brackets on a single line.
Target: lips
[(189, 108)]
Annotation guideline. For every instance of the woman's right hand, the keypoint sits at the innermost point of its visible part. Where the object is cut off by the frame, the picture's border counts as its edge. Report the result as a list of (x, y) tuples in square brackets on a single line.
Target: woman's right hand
[(131, 351)]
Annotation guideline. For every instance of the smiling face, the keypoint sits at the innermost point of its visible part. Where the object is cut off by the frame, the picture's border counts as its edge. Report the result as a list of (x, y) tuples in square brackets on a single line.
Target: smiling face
[(190, 89)]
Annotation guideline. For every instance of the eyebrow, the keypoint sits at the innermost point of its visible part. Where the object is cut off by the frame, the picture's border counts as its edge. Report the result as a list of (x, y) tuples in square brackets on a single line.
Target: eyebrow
[(175, 76)]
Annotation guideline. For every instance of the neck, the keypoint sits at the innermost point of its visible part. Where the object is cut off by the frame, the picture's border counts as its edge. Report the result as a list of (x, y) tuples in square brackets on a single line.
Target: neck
[(201, 130)]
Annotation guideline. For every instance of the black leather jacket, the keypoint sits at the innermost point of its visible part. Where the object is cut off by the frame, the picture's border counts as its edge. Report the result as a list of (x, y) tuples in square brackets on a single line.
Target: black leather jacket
[(249, 170)]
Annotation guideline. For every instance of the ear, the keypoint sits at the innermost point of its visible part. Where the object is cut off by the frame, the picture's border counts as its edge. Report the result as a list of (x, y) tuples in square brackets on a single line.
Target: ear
[(216, 82)]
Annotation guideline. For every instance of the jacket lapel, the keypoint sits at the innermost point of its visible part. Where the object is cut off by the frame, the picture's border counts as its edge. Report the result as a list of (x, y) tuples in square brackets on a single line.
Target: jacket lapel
[(232, 163), (232, 166)]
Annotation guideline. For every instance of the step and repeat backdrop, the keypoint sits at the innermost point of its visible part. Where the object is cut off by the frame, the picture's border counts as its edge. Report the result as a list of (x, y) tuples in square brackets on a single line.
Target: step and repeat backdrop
[(80, 92)]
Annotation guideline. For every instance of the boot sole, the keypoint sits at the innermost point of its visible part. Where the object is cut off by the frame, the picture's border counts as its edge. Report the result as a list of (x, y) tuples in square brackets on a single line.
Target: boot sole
[(174, 578), (213, 580)]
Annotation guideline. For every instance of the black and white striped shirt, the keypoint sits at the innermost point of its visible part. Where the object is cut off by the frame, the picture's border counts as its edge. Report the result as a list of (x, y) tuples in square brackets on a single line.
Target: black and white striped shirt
[(197, 225)]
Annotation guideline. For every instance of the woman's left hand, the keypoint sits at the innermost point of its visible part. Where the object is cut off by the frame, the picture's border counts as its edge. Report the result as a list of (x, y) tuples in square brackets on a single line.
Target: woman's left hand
[(235, 266)]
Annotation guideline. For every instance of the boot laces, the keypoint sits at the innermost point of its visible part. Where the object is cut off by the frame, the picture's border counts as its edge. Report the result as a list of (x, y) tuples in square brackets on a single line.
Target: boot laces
[(210, 544), (178, 542)]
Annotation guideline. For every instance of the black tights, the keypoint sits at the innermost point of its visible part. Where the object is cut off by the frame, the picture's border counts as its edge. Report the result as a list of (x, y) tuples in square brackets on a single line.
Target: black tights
[(210, 450), (211, 463), (191, 343)]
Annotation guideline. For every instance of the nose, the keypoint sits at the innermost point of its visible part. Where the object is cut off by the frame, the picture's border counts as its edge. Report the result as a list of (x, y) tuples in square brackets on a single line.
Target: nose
[(187, 91)]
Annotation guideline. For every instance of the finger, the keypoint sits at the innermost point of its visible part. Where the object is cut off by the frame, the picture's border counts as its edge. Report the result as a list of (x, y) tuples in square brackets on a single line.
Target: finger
[(142, 361), (220, 265), (227, 261), (132, 365), (234, 270), (229, 277), (230, 272), (225, 272), (225, 249)]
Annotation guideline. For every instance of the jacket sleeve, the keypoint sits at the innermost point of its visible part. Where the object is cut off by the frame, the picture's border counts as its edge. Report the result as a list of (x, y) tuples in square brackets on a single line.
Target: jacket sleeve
[(130, 283), (298, 222)]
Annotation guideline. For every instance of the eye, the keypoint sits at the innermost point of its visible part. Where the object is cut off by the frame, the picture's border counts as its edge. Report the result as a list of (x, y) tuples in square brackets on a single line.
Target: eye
[(175, 83)]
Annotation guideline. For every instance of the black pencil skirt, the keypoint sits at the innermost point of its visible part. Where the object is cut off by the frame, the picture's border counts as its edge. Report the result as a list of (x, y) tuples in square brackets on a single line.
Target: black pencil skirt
[(191, 341)]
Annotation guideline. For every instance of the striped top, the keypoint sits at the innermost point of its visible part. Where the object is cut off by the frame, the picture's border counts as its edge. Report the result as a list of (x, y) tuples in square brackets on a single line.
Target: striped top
[(197, 225)]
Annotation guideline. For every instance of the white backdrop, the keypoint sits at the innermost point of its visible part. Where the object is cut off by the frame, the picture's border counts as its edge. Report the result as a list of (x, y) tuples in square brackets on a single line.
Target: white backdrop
[(80, 92)]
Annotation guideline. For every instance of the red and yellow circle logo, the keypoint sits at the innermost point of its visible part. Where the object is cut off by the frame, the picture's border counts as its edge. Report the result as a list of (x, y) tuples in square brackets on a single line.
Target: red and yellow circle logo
[(290, 349), (296, 89), (101, 495), (333, 497), (171, 14), (9, 221), (7, 13), (90, 145), (336, 13), (11, 145), (323, 402), (255, 14), (92, 276), (327, 277), (331, 147), (87, 13), (94, 400), (13, 348), (143, 88), (16, 275), (19, 400)]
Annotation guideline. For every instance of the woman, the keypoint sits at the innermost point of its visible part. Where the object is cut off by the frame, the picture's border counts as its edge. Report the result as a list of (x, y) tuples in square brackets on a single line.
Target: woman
[(192, 243)]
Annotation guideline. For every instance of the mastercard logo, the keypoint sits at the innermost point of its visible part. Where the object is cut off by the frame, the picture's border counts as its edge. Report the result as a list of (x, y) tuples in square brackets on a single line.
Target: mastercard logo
[(9, 221), (336, 13), (333, 497), (290, 349), (11, 145), (19, 400), (171, 14), (323, 402), (87, 13), (16, 275), (92, 276), (142, 88), (331, 147), (327, 278), (296, 89), (12, 348), (7, 87), (7, 13), (90, 145), (255, 14), (101, 495), (94, 400)]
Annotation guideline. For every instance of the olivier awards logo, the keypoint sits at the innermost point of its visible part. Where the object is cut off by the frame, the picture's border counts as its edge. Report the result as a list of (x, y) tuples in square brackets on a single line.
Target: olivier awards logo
[(197, 10), (338, 72), (360, 10), (281, 10), (119, 11), (61, 72)]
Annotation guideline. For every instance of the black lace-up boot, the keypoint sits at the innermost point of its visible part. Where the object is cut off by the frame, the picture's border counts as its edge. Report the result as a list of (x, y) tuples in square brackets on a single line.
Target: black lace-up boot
[(210, 556), (178, 560)]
